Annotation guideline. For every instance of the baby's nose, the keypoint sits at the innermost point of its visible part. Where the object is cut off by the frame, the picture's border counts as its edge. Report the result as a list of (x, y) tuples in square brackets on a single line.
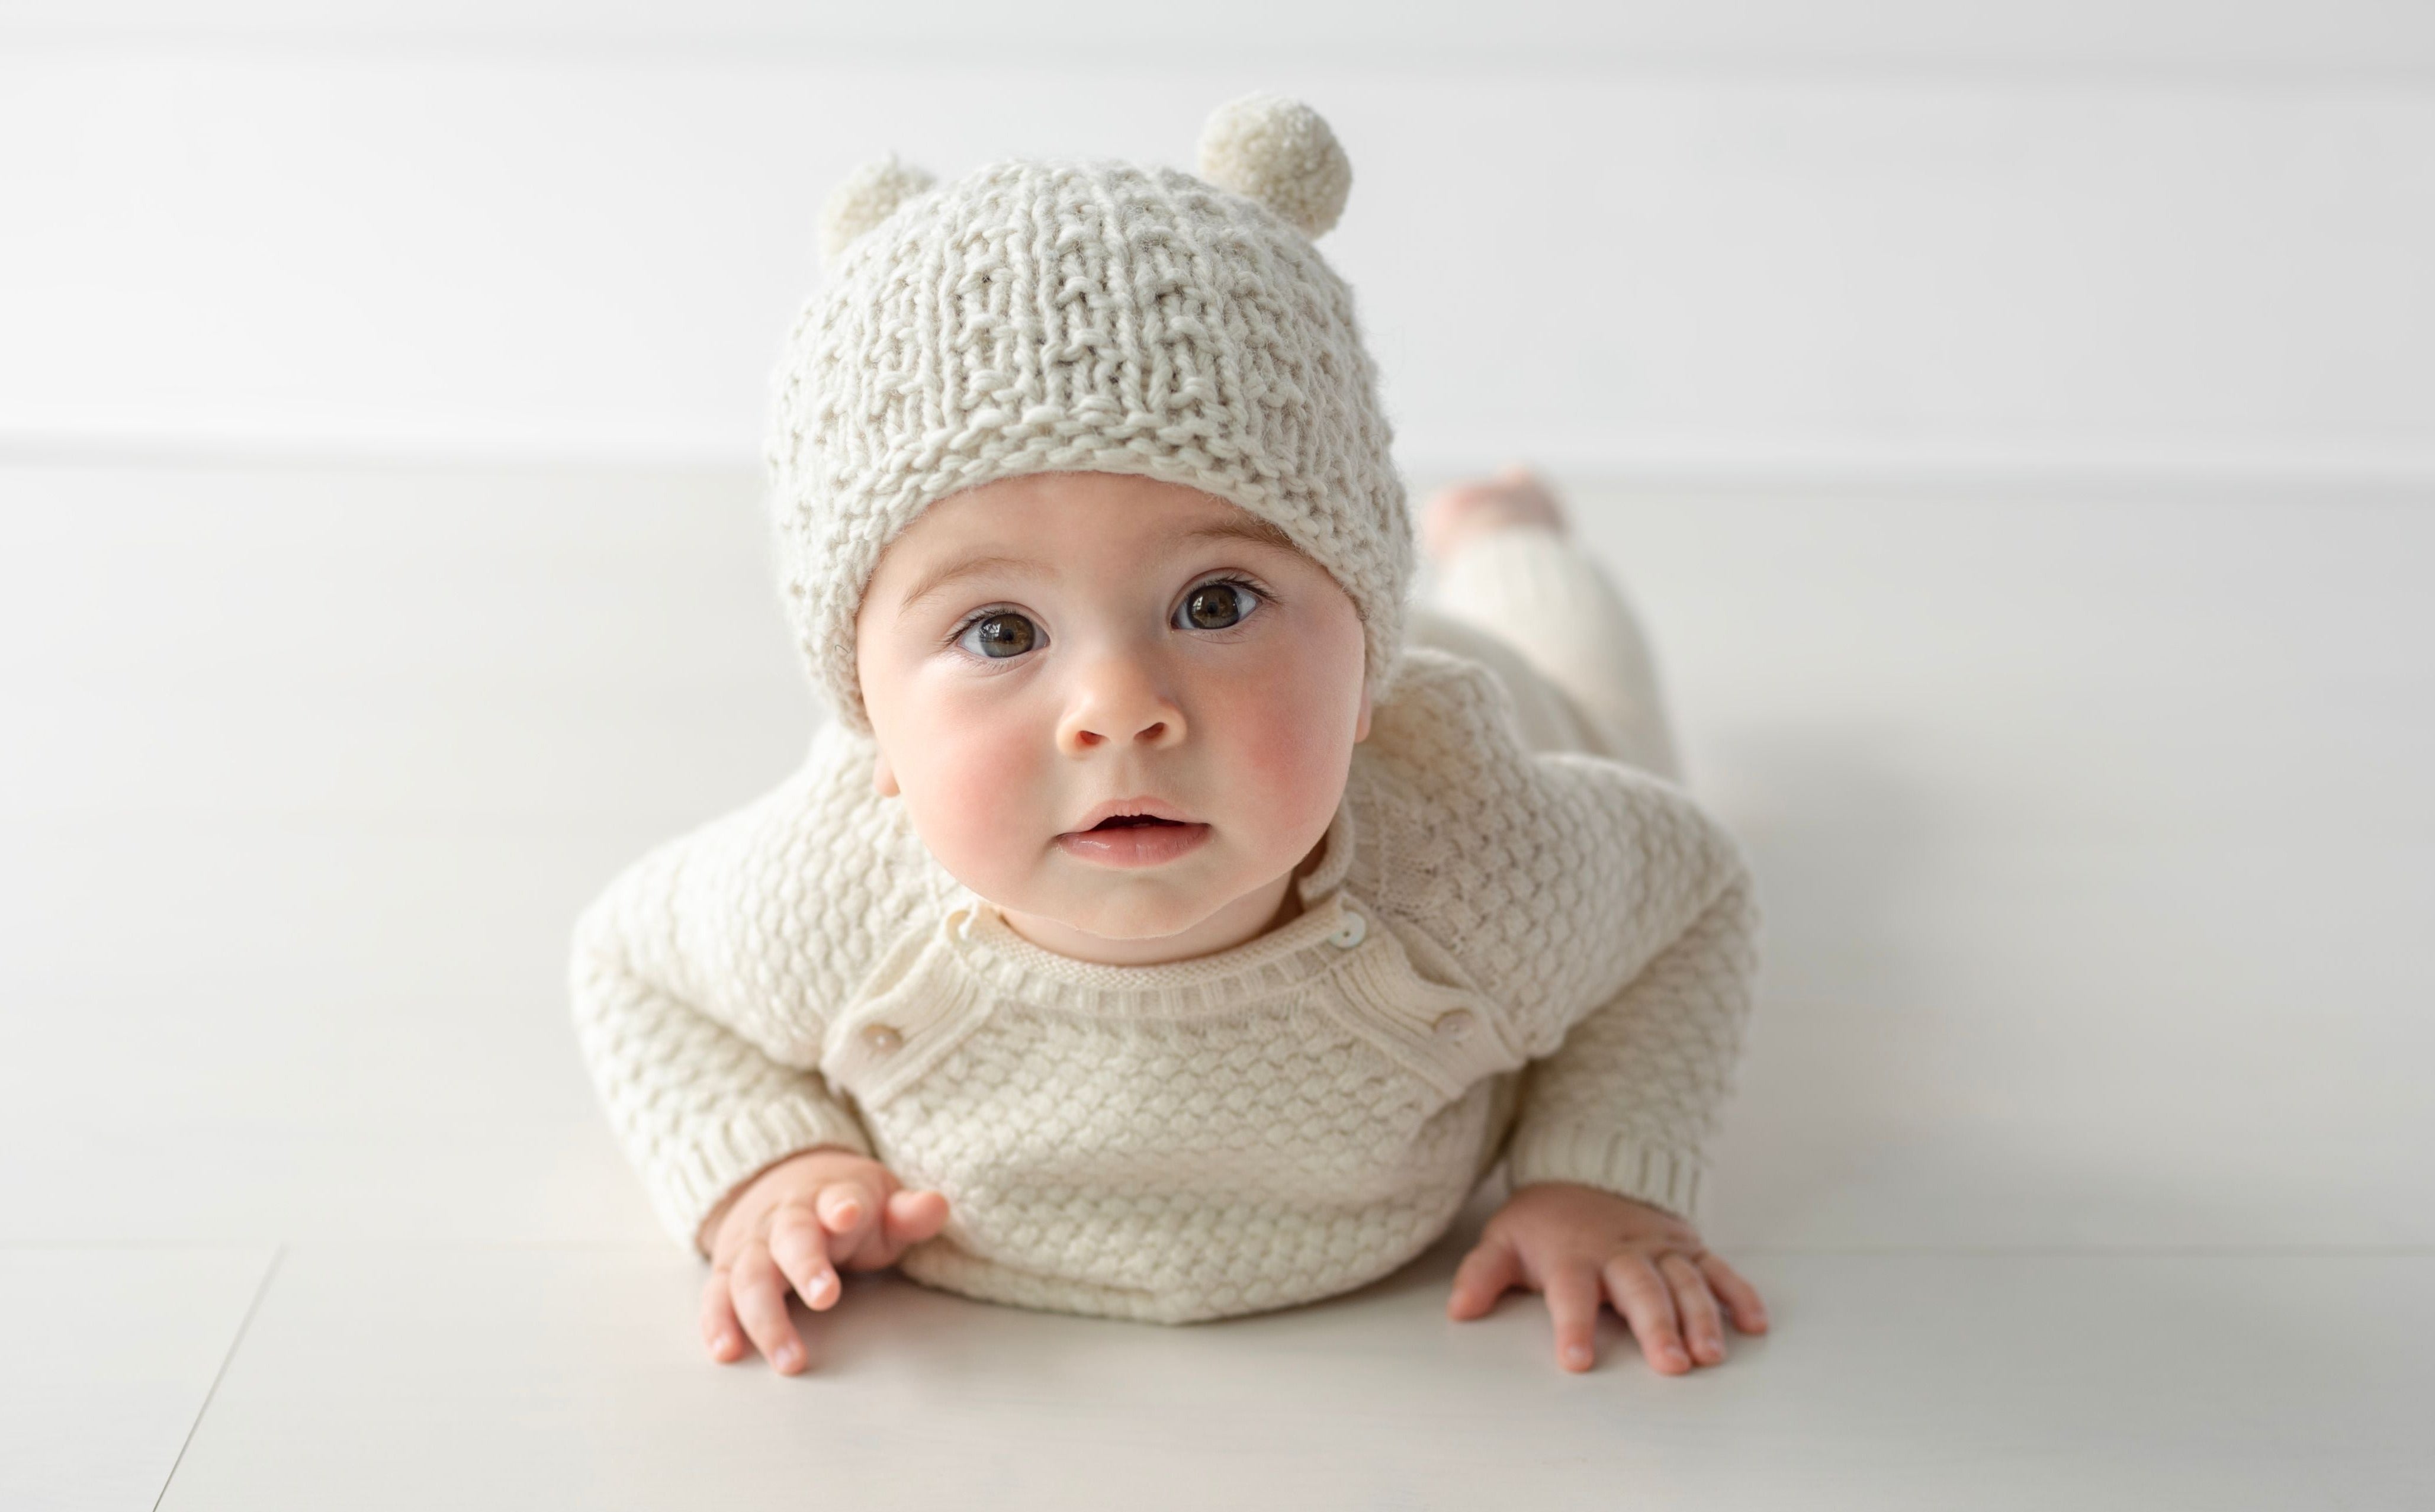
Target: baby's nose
[(1120, 702), (1087, 734), (1091, 737)]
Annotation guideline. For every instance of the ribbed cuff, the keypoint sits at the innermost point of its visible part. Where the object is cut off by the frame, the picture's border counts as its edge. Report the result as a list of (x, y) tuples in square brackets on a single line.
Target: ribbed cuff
[(696, 1176), (1607, 1159)]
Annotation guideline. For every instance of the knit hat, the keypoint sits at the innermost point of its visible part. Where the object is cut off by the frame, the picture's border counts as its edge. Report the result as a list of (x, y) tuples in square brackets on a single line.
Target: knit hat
[(1086, 316)]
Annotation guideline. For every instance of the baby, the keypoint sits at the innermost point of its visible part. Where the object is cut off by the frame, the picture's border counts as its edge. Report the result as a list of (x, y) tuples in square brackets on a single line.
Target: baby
[(1171, 922)]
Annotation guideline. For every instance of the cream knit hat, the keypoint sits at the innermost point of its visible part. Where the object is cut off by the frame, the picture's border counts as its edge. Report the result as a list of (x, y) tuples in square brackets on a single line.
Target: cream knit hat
[(1086, 316)]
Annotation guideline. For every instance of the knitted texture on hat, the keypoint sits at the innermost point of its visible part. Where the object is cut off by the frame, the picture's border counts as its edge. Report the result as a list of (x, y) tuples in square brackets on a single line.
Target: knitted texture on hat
[(1086, 316)]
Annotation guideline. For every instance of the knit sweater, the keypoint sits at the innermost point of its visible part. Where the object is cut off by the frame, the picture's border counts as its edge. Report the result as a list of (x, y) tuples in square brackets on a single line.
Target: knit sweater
[(1542, 954)]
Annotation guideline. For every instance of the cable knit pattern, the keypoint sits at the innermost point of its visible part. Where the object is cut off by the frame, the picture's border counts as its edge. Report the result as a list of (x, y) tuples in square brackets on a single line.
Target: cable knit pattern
[(1086, 315), (1547, 946)]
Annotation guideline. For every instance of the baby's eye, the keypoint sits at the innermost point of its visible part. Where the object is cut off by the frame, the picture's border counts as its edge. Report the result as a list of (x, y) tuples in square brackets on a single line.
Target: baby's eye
[(1216, 607), (1000, 636)]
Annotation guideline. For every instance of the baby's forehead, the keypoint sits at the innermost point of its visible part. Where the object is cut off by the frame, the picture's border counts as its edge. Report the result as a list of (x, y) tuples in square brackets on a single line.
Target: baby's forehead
[(1144, 513), (1086, 528)]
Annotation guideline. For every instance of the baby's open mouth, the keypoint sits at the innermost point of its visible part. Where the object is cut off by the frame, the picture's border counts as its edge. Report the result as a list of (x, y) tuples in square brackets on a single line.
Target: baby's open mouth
[(1126, 840)]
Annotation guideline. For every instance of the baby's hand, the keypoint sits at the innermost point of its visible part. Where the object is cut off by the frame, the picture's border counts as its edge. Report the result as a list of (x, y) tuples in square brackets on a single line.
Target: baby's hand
[(798, 1219), (1570, 1241)]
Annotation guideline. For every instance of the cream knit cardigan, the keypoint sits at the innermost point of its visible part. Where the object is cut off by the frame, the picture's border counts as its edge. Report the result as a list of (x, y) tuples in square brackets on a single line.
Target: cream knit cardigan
[(1548, 955)]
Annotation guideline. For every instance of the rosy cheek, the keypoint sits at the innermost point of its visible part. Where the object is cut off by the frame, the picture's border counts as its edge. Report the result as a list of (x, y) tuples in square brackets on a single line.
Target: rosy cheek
[(1278, 740), (980, 785)]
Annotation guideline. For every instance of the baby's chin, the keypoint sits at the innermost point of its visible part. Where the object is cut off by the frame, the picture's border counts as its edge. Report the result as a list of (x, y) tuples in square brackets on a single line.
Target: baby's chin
[(1126, 919), (1130, 909)]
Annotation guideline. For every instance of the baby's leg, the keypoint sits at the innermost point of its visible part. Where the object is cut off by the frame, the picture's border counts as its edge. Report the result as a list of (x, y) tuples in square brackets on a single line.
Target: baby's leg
[(1511, 574)]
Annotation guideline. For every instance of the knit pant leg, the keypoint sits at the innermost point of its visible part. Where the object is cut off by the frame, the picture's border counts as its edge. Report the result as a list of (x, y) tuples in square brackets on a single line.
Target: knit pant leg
[(1545, 596)]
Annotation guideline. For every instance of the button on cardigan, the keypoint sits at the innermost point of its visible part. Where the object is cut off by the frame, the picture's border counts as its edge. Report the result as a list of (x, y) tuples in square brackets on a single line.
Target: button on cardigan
[(1547, 956)]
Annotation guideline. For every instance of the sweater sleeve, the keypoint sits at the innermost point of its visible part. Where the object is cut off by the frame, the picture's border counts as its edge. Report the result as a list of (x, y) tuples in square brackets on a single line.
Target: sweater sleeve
[(1607, 915), (701, 980), (699, 1106), (1630, 1100)]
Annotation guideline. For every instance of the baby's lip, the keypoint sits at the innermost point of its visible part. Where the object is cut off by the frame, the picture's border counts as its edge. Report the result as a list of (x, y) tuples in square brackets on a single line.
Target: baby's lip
[(1154, 808)]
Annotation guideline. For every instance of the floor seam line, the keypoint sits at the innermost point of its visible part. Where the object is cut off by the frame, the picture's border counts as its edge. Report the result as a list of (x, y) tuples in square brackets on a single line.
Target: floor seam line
[(260, 1289)]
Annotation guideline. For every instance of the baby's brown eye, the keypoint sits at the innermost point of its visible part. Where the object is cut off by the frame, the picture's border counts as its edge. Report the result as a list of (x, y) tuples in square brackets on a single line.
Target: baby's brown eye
[(1217, 606), (1003, 635)]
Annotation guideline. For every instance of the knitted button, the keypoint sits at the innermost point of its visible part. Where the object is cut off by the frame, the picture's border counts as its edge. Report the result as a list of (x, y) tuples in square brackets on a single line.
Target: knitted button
[(881, 1038), (1350, 936), (1454, 1025)]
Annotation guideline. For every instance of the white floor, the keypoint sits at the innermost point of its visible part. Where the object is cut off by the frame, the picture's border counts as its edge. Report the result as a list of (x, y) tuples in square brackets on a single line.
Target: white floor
[(2083, 1149)]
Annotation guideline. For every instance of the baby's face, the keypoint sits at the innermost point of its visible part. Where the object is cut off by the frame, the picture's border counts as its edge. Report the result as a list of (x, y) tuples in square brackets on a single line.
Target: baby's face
[(1038, 650)]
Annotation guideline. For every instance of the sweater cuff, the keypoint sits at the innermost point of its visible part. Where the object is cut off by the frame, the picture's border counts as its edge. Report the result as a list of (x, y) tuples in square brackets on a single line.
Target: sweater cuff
[(1611, 1160), (701, 1171)]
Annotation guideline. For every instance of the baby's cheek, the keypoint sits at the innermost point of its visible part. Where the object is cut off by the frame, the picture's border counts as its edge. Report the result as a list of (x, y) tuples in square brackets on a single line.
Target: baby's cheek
[(984, 818), (1287, 757)]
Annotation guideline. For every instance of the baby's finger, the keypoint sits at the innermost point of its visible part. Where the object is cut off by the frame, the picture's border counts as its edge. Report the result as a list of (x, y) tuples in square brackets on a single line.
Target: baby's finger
[(1573, 1300), (719, 1330), (913, 1216), (761, 1300), (1696, 1307), (1640, 1294), (1482, 1278), (800, 1247), (846, 1208), (1750, 1314)]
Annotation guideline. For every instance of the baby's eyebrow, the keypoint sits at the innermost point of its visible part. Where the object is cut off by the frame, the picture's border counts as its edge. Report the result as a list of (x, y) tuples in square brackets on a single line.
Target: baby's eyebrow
[(961, 568), (1259, 531), (1243, 529)]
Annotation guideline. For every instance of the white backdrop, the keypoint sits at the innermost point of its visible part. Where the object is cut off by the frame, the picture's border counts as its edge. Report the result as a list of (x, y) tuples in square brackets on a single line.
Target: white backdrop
[(2014, 422), (2136, 241)]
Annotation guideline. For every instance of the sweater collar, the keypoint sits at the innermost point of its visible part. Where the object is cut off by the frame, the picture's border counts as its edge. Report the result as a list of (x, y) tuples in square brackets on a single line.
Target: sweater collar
[(1337, 859)]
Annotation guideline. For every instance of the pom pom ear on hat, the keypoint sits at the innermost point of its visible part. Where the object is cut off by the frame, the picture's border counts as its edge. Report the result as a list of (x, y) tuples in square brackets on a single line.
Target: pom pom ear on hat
[(1263, 146), (869, 196), (1280, 152)]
